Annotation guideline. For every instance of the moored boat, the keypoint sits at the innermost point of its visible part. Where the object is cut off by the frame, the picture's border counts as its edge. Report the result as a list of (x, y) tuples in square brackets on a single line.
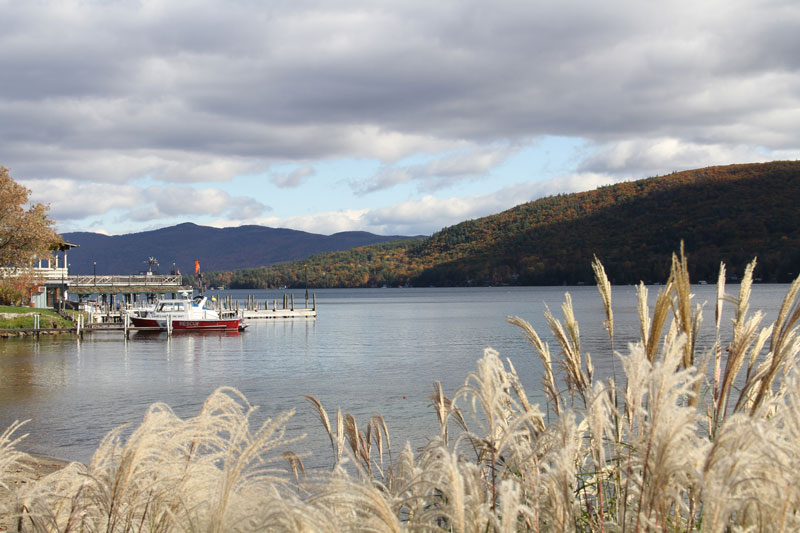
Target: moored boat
[(186, 314)]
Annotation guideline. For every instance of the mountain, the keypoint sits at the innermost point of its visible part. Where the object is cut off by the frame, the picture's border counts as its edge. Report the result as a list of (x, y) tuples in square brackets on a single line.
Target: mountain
[(215, 248), (728, 214)]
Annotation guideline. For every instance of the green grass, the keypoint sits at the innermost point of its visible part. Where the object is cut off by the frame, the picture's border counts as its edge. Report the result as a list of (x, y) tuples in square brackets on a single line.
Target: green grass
[(24, 317)]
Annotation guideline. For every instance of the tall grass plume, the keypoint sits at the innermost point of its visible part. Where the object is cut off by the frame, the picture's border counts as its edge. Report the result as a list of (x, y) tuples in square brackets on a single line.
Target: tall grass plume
[(678, 440)]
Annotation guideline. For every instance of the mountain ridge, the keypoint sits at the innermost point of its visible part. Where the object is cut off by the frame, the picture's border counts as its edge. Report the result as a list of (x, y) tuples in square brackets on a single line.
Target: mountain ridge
[(727, 213), (215, 248)]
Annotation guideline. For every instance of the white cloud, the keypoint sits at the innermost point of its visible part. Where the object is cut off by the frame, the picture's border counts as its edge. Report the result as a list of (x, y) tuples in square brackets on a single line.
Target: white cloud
[(650, 157), (70, 200), (440, 172), (76, 201), (428, 214), (185, 201), (324, 223)]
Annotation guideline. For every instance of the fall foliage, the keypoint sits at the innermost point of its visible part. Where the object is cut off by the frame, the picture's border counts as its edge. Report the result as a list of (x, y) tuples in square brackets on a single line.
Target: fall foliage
[(24, 233), (730, 213)]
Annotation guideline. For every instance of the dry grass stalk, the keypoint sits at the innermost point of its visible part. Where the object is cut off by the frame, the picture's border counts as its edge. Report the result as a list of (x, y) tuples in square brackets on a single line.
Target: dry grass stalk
[(688, 320), (717, 340), (505, 470), (747, 343), (604, 287), (783, 344), (9, 455), (569, 340), (652, 328), (543, 351)]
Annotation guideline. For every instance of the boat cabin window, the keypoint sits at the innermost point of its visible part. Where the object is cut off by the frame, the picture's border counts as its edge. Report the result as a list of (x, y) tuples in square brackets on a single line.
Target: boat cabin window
[(166, 307)]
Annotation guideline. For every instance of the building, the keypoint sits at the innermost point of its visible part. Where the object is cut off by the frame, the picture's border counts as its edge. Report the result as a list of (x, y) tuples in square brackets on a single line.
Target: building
[(54, 275)]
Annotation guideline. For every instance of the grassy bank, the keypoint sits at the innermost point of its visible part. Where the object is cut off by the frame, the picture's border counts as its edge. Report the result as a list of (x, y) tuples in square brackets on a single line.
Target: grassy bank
[(23, 318), (679, 440)]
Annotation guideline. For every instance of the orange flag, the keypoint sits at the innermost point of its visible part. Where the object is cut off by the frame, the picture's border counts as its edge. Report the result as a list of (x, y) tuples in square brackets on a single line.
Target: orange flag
[(196, 267)]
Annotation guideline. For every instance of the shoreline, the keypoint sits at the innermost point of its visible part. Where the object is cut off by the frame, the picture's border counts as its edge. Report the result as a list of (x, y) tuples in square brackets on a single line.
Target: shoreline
[(32, 468)]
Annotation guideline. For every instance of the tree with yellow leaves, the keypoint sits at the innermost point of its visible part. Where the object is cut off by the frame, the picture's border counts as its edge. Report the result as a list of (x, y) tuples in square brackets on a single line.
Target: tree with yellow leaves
[(24, 233)]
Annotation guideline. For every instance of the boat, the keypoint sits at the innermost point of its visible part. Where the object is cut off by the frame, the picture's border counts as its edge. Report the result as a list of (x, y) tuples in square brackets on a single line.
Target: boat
[(186, 314)]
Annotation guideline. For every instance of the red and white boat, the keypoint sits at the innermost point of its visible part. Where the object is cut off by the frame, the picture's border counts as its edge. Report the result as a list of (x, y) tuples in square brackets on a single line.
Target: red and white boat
[(185, 314)]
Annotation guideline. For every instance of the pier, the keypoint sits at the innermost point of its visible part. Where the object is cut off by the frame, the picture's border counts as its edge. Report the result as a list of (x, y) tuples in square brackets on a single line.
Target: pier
[(257, 309), (125, 290), (102, 317)]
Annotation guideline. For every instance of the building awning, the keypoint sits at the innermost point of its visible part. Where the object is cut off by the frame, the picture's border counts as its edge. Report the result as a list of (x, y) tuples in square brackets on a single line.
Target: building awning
[(64, 246)]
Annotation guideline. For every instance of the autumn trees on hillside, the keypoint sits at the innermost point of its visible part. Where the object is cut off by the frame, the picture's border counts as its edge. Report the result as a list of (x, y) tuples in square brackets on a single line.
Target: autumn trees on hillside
[(731, 213)]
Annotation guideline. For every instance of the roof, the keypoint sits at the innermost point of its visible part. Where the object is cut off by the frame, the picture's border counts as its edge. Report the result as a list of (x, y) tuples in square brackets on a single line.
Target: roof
[(64, 246)]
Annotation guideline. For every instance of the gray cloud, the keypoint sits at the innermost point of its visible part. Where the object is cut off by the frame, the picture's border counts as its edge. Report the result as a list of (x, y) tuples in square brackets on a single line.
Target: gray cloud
[(293, 179), (202, 91)]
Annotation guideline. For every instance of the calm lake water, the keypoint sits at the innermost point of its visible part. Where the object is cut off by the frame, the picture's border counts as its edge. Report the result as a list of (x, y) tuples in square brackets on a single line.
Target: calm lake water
[(369, 351)]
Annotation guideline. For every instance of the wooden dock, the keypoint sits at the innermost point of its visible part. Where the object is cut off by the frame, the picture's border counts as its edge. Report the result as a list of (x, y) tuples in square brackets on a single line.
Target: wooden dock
[(256, 309), (279, 313), (99, 319)]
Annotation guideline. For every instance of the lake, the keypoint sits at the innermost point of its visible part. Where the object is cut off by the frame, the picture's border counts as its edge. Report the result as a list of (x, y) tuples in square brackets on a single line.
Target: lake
[(369, 351)]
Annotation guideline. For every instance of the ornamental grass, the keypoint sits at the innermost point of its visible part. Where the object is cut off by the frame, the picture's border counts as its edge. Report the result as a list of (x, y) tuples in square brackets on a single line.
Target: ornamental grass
[(676, 439)]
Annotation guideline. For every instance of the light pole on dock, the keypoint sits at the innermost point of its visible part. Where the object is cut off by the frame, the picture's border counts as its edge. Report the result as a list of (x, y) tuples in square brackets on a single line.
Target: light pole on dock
[(94, 271)]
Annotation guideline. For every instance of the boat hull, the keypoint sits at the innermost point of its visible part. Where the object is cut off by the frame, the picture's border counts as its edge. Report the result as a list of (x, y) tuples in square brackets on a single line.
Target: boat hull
[(233, 324)]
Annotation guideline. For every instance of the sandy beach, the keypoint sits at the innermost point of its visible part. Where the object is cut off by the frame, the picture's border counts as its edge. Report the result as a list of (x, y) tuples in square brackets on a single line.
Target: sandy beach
[(34, 468)]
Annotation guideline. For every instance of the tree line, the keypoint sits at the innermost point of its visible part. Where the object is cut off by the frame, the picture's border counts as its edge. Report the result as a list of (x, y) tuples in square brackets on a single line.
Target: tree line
[(723, 213)]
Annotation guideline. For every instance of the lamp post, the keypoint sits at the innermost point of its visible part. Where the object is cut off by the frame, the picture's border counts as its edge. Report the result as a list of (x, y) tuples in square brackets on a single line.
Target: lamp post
[(94, 271), (305, 266)]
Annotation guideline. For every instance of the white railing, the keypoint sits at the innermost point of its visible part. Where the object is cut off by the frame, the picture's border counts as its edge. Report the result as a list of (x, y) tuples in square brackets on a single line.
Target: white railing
[(37, 273), (50, 273), (58, 274), (117, 281)]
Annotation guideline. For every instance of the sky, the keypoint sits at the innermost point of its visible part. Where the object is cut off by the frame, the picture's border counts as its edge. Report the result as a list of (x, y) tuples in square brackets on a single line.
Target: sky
[(393, 117)]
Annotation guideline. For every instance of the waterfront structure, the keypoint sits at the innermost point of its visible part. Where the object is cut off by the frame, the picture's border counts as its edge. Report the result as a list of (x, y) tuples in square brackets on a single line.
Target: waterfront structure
[(56, 284), (53, 277)]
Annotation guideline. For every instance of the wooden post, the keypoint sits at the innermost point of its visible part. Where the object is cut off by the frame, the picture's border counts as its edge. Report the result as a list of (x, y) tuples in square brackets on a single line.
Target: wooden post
[(314, 301), (292, 302)]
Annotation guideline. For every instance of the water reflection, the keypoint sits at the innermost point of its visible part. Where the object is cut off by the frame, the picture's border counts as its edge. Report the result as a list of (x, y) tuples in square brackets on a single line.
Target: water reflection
[(368, 351)]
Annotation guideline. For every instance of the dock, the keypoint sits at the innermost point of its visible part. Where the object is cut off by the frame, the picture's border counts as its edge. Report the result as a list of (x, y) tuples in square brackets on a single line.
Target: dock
[(257, 309), (271, 314), (104, 316)]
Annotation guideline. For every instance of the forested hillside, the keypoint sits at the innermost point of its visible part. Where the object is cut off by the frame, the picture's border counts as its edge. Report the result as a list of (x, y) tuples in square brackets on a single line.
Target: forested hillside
[(180, 246), (726, 213)]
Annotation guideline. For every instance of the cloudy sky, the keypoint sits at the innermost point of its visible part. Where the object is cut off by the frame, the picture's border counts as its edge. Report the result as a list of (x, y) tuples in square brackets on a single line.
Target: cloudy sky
[(395, 117)]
